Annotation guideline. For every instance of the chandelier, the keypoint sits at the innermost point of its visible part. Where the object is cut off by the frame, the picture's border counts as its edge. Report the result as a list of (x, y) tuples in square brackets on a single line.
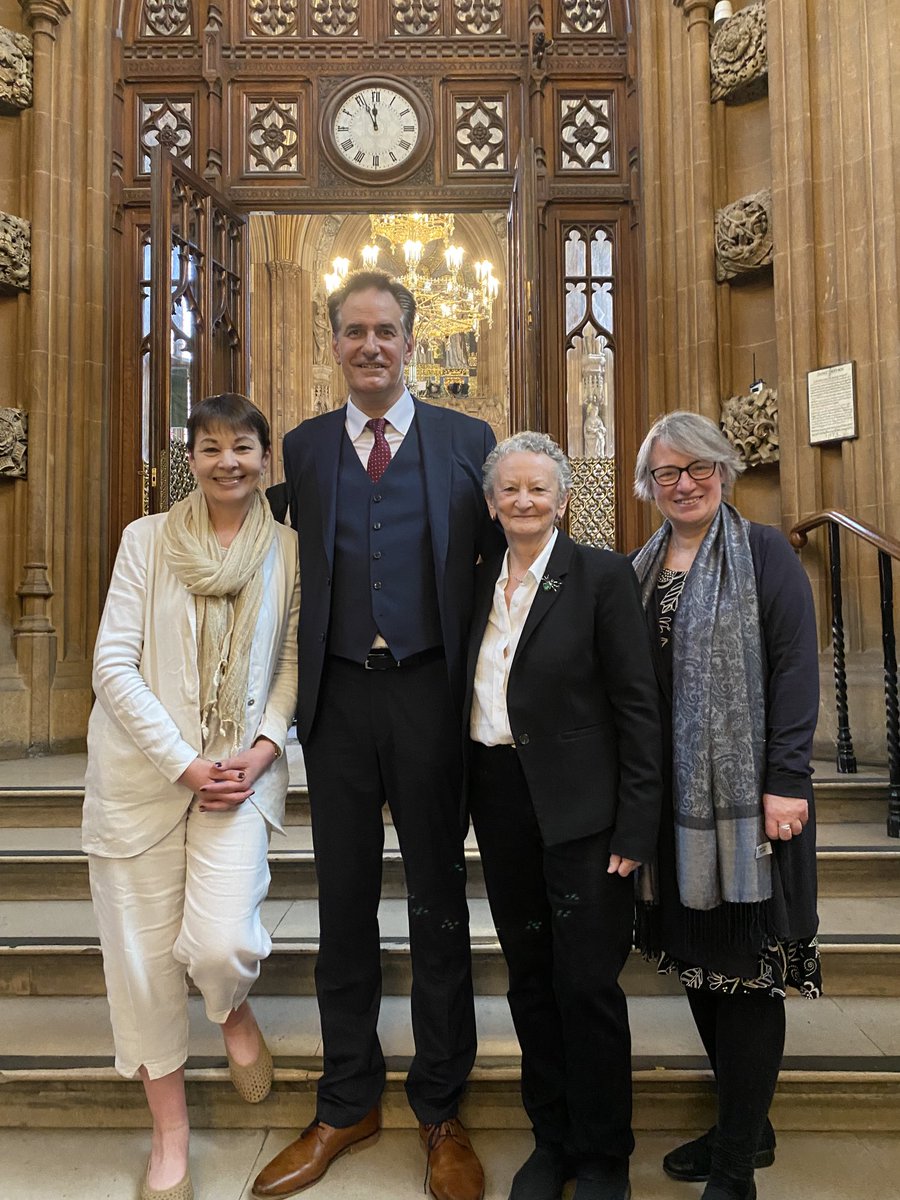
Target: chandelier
[(450, 299)]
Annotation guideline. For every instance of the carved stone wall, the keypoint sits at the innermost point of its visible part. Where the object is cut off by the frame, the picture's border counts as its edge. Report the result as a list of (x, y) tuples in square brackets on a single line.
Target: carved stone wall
[(16, 70), (739, 61), (13, 443), (54, 341), (751, 425), (744, 236), (15, 254)]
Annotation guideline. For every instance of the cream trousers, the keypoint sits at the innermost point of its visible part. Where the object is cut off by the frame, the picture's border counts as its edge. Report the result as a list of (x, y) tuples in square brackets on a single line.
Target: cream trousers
[(188, 905)]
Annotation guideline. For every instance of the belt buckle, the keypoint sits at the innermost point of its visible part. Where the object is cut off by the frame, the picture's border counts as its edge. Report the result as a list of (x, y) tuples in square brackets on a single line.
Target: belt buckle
[(380, 660)]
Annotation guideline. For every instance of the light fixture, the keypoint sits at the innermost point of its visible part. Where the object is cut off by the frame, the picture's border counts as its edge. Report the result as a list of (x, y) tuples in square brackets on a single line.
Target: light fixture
[(723, 11), (448, 300)]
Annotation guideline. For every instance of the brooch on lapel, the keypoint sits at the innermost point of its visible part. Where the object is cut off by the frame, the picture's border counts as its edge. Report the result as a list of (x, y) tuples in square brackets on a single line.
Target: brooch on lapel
[(549, 584)]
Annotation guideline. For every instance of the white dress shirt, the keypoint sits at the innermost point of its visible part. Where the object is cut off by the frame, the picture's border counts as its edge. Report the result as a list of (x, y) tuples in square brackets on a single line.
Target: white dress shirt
[(489, 722), (399, 417)]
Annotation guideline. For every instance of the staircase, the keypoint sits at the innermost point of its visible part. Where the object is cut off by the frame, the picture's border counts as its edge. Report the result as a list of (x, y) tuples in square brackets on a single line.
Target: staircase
[(842, 1063)]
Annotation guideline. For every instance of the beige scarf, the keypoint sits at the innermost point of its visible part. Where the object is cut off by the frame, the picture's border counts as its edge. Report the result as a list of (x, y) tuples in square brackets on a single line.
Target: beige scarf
[(227, 591)]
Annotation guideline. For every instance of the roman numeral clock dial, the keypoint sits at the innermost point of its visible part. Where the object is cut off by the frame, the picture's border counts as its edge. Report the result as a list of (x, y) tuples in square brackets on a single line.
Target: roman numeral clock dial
[(376, 130)]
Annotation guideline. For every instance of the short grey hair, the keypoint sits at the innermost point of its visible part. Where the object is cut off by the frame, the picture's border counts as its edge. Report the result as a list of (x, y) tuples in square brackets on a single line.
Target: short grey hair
[(693, 435), (528, 442)]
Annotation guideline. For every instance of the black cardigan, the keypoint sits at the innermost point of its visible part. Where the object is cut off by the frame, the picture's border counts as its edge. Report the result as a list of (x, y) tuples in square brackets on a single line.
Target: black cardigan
[(791, 674)]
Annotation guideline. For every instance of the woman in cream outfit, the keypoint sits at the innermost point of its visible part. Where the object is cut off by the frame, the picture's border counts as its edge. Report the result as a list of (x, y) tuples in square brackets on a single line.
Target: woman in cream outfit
[(195, 674)]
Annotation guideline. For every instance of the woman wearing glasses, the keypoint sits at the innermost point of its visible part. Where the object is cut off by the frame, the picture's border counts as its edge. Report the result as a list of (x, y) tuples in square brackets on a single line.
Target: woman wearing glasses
[(731, 902)]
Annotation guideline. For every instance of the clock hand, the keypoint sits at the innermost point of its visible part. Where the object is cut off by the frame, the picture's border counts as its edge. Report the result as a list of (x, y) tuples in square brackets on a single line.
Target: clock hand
[(374, 116)]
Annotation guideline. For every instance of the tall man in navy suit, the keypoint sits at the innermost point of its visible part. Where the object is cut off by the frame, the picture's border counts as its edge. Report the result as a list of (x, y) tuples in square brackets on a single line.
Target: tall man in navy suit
[(386, 497)]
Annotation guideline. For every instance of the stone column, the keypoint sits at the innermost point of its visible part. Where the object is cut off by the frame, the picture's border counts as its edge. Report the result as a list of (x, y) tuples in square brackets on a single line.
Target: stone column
[(34, 633), (65, 368), (834, 66), (281, 327), (678, 206)]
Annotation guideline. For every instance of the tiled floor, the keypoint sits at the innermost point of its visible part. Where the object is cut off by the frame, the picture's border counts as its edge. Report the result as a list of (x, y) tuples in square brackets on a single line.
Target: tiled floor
[(84, 1165)]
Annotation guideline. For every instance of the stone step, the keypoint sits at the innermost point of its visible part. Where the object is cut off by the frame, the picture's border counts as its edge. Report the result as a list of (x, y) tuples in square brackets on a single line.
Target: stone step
[(49, 791), (50, 948), (841, 1067), (855, 859)]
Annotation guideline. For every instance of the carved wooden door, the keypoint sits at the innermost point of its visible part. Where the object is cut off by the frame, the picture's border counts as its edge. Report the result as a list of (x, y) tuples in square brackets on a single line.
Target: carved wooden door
[(197, 317), (526, 408)]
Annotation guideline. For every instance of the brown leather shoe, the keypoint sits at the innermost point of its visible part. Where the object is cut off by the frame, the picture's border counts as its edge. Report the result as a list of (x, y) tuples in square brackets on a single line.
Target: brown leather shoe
[(306, 1160), (453, 1171)]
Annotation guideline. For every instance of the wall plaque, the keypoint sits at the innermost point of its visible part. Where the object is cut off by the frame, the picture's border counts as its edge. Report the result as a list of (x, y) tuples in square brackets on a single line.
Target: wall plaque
[(831, 395)]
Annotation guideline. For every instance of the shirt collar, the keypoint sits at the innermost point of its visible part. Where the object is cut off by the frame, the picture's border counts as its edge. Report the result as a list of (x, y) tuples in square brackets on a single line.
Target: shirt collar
[(538, 567), (399, 415)]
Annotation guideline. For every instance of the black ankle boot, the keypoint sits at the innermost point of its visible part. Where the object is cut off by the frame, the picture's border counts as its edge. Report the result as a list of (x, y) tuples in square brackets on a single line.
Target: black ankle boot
[(541, 1176), (692, 1161), (731, 1173)]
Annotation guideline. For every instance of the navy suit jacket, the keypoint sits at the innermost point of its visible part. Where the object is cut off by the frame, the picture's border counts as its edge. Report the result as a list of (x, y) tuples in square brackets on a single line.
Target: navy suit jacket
[(454, 447), (582, 699)]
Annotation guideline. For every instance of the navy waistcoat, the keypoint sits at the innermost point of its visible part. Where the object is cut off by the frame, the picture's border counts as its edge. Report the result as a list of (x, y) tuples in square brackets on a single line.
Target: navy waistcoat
[(383, 579)]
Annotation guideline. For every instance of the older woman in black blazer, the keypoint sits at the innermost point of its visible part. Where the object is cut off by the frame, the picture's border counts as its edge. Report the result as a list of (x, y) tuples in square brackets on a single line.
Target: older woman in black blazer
[(564, 789)]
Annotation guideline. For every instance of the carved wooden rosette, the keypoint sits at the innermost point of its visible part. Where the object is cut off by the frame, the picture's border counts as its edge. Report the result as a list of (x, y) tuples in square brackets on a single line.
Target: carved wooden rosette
[(13, 443), (16, 71), (15, 254), (744, 236), (738, 57), (751, 425)]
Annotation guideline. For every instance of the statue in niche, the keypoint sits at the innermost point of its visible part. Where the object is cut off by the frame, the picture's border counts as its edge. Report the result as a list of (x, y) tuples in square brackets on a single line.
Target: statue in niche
[(593, 432), (321, 332)]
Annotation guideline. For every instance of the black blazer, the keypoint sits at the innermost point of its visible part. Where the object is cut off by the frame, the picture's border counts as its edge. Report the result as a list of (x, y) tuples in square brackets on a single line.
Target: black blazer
[(582, 699), (454, 447)]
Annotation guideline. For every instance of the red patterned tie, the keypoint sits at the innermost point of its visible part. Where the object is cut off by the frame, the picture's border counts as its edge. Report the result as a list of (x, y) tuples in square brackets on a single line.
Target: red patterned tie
[(380, 454)]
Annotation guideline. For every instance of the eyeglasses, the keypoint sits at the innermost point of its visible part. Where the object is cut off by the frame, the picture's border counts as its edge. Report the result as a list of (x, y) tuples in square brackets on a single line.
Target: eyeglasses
[(668, 476)]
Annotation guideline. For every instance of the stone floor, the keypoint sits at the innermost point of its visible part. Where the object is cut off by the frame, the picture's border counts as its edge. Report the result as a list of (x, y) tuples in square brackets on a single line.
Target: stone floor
[(88, 1165)]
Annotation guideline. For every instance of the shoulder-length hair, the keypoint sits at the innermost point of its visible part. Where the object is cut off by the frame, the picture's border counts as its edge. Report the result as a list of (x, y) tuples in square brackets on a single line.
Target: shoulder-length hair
[(690, 434)]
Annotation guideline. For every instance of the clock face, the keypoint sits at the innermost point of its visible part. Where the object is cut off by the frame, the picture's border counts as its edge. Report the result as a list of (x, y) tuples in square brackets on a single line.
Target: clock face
[(375, 128)]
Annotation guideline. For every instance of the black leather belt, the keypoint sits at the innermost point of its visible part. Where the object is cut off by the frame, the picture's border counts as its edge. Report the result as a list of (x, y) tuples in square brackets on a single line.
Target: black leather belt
[(382, 659)]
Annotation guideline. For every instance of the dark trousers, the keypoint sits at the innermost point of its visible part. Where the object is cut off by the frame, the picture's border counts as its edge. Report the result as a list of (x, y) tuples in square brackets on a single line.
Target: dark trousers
[(389, 736), (565, 926), (744, 1038)]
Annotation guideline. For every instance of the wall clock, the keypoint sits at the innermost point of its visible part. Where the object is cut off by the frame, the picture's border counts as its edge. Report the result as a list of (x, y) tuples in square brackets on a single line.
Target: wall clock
[(376, 129)]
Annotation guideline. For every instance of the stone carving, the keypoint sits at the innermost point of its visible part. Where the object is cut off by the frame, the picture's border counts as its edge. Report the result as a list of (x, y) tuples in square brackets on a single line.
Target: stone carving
[(166, 18), (415, 17), (272, 18), (273, 134), (481, 134), (321, 332), (751, 425), (478, 17), (585, 134), (585, 16), (592, 504), (15, 254), (13, 442), (744, 236), (738, 58), (334, 18), (16, 59)]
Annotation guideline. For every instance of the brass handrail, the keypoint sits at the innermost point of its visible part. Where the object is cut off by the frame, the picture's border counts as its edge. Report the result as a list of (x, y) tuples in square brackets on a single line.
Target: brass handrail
[(888, 549), (875, 537)]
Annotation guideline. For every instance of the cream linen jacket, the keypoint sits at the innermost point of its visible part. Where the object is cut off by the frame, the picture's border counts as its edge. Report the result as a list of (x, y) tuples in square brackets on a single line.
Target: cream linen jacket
[(144, 729)]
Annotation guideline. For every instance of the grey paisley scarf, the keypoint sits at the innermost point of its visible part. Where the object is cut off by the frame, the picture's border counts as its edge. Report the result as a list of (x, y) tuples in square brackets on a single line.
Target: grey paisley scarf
[(718, 717)]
